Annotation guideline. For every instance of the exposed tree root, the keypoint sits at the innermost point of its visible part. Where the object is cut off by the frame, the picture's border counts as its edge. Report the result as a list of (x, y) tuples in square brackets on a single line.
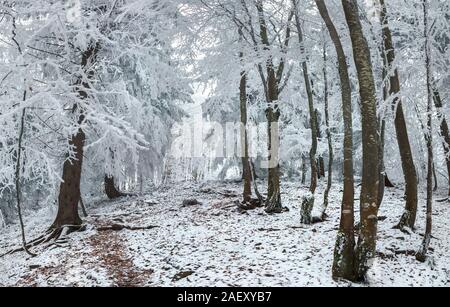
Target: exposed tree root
[(250, 205), (53, 234), (119, 227)]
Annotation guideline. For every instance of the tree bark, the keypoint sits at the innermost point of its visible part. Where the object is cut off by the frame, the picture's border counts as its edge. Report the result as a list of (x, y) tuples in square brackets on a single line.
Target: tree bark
[(323, 214), (409, 169), (344, 257), (69, 193), (444, 131), (422, 255), (273, 203), (110, 188), (312, 110), (366, 247), (246, 168)]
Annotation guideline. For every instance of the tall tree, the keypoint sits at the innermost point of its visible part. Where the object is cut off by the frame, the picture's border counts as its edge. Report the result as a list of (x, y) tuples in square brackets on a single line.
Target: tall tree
[(69, 193), (272, 88), (246, 167), (366, 247), (344, 258), (308, 202), (422, 254), (323, 214), (409, 169)]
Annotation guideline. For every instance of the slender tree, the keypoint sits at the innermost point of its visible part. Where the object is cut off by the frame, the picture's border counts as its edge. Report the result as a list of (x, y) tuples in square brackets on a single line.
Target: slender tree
[(409, 169), (366, 247), (246, 168), (308, 201), (323, 213), (344, 258), (422, 254)]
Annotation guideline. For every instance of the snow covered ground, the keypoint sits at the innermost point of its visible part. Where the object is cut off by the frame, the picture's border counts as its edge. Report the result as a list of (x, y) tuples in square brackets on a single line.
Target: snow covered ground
[(214, 244)]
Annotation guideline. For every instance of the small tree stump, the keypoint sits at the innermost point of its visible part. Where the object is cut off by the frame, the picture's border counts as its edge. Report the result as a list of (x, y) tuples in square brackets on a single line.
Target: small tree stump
[(307, 208)]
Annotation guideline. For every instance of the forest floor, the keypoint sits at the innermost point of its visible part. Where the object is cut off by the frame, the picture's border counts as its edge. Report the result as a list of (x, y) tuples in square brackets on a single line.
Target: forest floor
[(213, 244)]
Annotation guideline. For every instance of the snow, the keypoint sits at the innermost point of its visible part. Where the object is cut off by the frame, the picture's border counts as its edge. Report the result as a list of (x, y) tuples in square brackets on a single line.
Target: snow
[(214, 244)]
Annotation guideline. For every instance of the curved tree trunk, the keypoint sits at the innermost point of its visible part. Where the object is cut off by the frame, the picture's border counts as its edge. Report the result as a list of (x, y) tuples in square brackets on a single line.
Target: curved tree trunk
[(110, 188), (366, 248), (344, 257), (69, 193), (409, 169)]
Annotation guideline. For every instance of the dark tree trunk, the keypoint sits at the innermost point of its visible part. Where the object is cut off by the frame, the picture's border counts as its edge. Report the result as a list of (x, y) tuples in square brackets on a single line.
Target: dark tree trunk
[(308, 201), (273, 203), (304, 169), (69, 193), (323, 214), (409, 169), (246, 168), (344, 256), (366, 248), (422, 255), (312, 110), (387, 182), (383, 177), (444, 131), (320, 161), (110, 188)]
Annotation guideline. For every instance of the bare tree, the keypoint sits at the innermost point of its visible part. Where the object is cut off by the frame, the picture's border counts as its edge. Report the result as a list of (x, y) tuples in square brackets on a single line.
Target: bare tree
[(422, 254), (344, 258), (366, 247)]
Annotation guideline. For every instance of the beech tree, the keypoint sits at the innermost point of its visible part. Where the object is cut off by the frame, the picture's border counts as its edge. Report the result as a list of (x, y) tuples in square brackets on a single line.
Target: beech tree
[(366, 246)]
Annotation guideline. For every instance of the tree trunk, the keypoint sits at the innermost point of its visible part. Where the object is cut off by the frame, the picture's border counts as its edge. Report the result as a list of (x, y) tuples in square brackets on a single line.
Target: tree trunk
[(273, 203), (304, 169), (246, 168), (323, 214), (312, 110), (383, 177), (366, 248), (409, 169), (422, 255), (444, 131), (387, 182), (69, 193), (382, 124), (320, 160), (110, 188), (308, 201), (344, 257)]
